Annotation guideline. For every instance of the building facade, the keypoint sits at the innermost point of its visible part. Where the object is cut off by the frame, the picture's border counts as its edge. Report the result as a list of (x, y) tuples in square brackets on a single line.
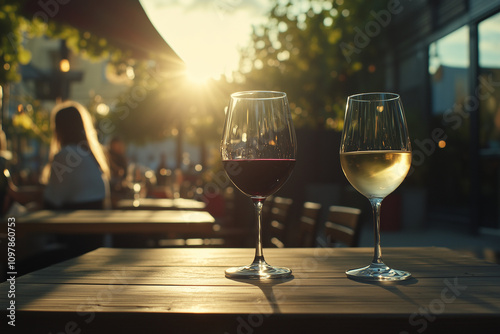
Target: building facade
[(443, 57)]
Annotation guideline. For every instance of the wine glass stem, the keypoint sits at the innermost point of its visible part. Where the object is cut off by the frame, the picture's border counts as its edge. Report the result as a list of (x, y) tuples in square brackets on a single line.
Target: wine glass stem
[(376, 206), (259, 255)]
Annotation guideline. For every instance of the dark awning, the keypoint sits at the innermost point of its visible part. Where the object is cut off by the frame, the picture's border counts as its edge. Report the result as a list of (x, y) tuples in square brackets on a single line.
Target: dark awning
[(123, 23)]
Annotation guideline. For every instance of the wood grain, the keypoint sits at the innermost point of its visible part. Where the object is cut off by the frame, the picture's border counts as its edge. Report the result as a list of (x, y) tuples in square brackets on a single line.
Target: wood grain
[(184, 290), (160, 204), (115, 221)]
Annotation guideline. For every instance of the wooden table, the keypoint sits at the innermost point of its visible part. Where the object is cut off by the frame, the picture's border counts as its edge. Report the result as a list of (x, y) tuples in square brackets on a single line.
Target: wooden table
[(115, 221), (160, 204), (185, 291)]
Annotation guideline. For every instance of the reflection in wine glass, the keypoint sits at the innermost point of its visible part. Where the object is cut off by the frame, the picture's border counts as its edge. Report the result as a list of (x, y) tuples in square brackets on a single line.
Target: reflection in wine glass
[(258, 151), (375, 154)]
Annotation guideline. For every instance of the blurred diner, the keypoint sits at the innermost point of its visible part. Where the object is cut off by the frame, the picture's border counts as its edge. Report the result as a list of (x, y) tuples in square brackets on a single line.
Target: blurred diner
[(77, 175), (118, 162)]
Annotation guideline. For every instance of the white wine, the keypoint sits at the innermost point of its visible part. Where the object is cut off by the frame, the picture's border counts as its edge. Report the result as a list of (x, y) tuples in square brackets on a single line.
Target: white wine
[(375, 173)]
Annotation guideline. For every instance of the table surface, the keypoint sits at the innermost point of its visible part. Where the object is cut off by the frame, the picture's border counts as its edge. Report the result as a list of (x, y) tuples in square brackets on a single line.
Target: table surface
[(160, 204), (115, 221), (184, 290)]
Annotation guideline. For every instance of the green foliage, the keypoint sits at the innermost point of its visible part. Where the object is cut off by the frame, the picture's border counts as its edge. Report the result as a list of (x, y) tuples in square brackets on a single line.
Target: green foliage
[(12, 53), (308, 49), (30, 121), (15, 27)]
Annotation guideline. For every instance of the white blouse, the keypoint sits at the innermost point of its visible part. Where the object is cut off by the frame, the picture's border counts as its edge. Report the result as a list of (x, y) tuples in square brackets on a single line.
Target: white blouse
[(75, 177)]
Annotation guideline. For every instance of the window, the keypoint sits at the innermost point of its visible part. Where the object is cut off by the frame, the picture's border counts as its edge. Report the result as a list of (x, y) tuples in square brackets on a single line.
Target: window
[(489, 82), (449, 177), (488, 94), (448, 67)]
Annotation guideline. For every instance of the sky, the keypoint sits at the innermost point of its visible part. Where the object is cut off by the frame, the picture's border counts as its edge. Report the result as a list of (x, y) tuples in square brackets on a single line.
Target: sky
[(489, 39), (453, 49), (206, 34)]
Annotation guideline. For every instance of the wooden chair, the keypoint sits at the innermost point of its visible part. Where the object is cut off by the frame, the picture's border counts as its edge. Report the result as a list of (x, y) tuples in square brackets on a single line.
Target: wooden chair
[(308, 225), (343, 225), (276, 231), (266, 211)]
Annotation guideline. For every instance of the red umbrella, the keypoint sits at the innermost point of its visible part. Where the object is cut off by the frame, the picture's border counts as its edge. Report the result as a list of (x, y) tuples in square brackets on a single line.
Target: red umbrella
[(123, 23)]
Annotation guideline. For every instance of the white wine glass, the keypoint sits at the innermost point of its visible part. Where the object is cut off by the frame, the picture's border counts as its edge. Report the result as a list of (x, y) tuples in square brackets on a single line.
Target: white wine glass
[(375, 154), (258, 150)]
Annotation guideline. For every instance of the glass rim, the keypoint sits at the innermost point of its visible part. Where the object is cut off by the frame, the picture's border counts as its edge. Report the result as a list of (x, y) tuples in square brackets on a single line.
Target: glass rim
[(258, 95), (358, 97)]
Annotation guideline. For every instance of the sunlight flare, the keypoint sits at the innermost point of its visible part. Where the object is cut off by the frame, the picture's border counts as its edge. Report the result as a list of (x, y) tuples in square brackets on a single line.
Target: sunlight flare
[(207, 35)]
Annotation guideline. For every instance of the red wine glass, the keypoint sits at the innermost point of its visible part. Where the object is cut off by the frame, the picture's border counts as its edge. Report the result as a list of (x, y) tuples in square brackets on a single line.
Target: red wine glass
[(258, 151)]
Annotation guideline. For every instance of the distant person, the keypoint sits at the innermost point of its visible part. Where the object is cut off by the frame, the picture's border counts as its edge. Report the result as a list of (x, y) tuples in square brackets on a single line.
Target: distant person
[(77, 174), (162, 172), (163, 179), (118, 164)]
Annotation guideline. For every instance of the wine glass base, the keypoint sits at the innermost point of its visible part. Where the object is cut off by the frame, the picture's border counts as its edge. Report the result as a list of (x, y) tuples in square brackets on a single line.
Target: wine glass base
[(258, 271), (378, 272)]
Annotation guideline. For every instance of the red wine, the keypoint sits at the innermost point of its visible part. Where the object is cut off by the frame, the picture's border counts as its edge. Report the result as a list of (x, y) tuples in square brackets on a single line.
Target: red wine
[(259, 177)]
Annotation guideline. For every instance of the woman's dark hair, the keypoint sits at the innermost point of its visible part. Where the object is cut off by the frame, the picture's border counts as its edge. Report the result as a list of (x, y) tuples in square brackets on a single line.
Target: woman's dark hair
[(69, 128)]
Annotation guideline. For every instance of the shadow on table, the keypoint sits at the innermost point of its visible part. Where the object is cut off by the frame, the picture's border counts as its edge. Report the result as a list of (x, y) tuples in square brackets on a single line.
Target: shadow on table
[(392, 287), (266, 286)]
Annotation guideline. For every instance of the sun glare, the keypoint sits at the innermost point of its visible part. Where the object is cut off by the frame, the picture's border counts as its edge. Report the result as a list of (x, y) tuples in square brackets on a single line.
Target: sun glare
[(206, 35), (199, 75)]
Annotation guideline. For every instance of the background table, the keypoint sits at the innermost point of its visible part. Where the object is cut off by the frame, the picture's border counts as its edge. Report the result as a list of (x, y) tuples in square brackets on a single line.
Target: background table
[(115, 221), (184, 290), (160, 204)]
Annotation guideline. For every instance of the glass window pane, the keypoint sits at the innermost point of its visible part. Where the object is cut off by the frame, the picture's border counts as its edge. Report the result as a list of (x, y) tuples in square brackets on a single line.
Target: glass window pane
[(449, 177), (448, 67), (488, 93), (489, 81)]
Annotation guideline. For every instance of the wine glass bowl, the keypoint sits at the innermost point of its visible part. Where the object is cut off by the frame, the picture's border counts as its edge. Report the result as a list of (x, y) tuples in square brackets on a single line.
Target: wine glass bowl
[(375, 155), (258, 150)]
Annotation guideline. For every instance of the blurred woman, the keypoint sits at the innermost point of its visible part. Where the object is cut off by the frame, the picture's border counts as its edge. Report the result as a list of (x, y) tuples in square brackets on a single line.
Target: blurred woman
[(77, 174), (75, 178)]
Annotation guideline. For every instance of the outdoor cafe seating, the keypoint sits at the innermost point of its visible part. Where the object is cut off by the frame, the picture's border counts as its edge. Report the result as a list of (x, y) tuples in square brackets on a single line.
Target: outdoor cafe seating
[(249, 167)]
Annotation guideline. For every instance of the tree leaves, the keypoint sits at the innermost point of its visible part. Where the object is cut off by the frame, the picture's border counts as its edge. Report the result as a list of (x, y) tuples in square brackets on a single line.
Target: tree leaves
[(299, 51)]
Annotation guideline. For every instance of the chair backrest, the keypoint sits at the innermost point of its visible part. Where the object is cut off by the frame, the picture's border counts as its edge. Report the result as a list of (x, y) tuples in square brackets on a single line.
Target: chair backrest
[(308, 224), (343, 225), (266, 211), (278, 215)]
